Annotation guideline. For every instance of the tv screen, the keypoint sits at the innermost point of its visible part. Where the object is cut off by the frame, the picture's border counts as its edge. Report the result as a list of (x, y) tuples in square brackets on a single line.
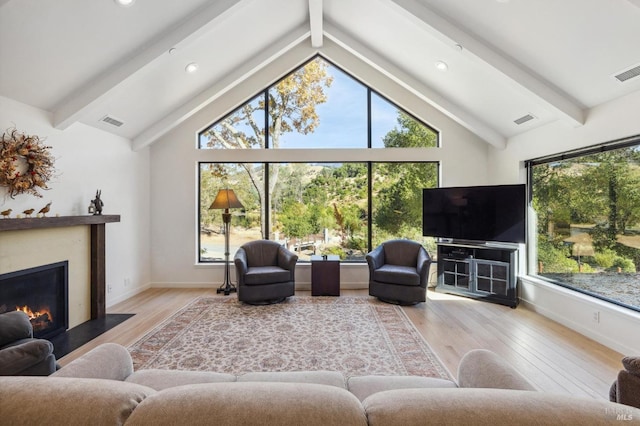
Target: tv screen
[(478, 213)]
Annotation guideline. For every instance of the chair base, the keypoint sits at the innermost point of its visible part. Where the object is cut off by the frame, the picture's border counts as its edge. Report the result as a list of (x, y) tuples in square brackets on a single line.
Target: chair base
[(266, 302), (397, 302)]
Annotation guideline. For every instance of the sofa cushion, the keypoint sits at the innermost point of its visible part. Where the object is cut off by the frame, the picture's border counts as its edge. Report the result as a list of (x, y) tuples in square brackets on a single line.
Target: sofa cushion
[(251, 403), (14, 325), (107, 361), (260, 275), (56, 401), (401, 275), (491, 407), (162, 379), (481, 368), (364, 386), (331, 378)]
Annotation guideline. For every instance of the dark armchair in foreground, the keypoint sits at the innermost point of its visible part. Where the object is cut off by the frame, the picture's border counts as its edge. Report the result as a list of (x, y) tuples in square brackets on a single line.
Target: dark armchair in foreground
[(399, 271), (265, 271), (20, 353)]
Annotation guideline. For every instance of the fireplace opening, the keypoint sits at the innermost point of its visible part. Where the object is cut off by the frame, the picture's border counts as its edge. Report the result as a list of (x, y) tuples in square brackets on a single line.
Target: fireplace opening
[(40, 292)]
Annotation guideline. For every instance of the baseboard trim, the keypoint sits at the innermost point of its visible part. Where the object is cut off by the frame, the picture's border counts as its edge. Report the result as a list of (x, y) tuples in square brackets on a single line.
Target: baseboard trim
[(299, 285), (613, 329)]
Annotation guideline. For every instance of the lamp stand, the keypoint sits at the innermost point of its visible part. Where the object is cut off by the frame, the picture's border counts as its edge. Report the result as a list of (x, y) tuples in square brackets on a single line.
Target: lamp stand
[(226, 286)]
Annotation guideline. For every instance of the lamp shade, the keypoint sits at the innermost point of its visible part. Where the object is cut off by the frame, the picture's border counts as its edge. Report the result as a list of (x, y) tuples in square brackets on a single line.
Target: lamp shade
[(226, 199)]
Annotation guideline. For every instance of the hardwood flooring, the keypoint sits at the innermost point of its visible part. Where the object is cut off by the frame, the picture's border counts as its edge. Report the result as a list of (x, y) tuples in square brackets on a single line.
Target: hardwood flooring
[(553, 357)]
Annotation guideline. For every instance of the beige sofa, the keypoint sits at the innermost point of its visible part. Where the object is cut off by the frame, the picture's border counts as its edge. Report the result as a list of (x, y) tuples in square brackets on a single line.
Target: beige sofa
[(100, 388)]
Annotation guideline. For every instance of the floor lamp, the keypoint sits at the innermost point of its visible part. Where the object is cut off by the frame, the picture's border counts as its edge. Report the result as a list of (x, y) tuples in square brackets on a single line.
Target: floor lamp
[(226, 199)]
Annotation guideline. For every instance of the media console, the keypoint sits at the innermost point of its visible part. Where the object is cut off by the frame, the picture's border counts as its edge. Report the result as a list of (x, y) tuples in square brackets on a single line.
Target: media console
[(480, 271)]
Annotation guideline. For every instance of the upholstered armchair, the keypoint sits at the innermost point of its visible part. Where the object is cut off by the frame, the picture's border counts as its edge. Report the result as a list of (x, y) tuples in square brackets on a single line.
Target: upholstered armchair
[(20, 353), (265, 271), (399, 272)]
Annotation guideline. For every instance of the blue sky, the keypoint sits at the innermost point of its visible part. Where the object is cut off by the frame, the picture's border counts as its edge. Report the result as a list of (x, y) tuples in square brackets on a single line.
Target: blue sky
[(343, 118)]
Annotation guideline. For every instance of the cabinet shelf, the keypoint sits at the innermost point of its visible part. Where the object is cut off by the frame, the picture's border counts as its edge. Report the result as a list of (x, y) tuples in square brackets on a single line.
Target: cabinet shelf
[(478, 271)]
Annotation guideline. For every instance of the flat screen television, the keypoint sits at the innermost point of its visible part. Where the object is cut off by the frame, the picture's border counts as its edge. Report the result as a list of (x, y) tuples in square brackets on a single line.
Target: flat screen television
[(476, 213)]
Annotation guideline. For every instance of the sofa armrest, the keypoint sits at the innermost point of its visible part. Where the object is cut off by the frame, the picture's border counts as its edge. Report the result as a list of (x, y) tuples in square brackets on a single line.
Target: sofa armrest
[(375, 258), (240, 261), (287, 259), (423, 266), (107, 361), (481, 368), (17, 360)]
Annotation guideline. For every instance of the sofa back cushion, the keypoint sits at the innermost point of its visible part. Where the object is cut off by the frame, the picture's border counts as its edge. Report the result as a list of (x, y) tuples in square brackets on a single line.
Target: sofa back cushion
[(244, 403), (14, 325), (261, 253), (401, 252), (495, 407), (56, 401)]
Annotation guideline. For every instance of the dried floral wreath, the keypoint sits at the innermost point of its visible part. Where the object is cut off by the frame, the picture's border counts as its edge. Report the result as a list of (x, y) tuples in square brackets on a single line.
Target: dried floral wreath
[(26, 164)]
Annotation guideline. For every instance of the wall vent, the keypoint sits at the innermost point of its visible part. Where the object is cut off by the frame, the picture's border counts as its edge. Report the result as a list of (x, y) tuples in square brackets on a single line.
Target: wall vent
[(628, 74), (113, 121), (524, 119)]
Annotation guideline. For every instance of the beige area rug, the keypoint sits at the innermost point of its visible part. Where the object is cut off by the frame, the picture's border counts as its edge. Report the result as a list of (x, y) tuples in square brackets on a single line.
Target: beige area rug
[(351, 334)]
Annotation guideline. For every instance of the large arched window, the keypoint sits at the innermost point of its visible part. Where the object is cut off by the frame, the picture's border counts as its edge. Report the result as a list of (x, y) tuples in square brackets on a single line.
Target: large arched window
[(337, 206)]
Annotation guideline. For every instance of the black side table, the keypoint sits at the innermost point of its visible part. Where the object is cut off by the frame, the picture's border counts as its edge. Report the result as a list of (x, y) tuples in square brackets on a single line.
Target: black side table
[(325, 275)]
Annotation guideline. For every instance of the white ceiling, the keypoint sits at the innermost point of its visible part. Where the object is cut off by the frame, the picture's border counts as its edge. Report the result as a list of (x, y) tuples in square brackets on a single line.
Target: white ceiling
[(84, 59)]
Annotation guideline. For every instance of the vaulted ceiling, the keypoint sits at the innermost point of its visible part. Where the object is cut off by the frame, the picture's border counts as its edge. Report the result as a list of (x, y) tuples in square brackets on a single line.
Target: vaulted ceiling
[(84, 60)]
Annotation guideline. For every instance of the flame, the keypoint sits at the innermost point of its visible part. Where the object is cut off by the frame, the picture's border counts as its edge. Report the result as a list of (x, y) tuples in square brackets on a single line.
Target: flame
[(44, 313)]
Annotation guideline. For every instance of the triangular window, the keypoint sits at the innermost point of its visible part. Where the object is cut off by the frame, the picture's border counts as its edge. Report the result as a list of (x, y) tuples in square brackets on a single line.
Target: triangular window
[(318, 106)]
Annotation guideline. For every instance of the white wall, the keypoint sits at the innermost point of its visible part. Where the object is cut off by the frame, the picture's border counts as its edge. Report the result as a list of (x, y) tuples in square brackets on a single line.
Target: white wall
[(88, 159), (174, 168), (611, 121)]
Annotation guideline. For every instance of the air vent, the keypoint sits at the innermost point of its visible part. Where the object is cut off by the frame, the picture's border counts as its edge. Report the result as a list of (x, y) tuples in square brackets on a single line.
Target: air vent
[(524, 119), (628, 74), (113, 121)]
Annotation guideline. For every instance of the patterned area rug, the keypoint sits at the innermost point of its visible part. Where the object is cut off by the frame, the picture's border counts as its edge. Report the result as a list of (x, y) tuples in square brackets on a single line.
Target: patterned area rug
[(350, 334)]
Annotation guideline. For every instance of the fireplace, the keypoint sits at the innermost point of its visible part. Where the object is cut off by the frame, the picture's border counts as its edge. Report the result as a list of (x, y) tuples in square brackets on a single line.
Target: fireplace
[(41, 292)]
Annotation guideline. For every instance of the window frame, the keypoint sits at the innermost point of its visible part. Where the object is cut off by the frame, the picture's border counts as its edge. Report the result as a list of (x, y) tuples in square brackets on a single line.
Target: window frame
[(532, 252), (268, 223)]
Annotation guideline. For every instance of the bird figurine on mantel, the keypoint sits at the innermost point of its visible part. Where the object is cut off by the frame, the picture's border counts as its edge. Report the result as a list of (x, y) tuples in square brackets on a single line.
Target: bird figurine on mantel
[(45, 209), (5, 214), (29, 212)]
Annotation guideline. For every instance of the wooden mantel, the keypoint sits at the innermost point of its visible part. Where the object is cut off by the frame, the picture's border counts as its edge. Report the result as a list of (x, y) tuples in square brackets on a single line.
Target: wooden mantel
[(97, 222)]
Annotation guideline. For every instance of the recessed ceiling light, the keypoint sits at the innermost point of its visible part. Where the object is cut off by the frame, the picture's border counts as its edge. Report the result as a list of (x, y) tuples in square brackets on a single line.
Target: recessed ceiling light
[(442, 66), (124, 3), (191, 68)]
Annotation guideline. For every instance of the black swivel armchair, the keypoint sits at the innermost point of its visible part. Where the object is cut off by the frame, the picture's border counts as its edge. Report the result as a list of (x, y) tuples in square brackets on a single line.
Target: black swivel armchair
[(265, 271), (399, 272)]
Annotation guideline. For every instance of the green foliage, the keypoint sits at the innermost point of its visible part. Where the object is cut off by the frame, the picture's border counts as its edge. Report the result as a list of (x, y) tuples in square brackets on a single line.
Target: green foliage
[(554, 259), (410, 133), (625, 265), (605, 258), (294, 220), (600, 190), (335, 250)]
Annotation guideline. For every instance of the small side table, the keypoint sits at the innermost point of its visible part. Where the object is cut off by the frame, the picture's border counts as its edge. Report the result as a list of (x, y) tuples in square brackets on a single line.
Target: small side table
[(325, 275)]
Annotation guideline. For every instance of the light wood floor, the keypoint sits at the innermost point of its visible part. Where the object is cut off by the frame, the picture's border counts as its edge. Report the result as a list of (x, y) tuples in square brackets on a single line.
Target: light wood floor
[(553, 357)]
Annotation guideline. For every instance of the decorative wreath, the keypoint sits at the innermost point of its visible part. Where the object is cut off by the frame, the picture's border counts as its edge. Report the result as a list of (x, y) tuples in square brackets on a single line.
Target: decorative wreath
[(26, 164)]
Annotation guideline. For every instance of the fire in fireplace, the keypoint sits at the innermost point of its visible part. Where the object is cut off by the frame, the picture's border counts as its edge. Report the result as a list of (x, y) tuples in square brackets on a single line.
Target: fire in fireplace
[(40, 292)]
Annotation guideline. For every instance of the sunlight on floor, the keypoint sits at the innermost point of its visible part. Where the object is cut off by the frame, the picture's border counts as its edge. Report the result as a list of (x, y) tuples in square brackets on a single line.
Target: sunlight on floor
[(433, 295)]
